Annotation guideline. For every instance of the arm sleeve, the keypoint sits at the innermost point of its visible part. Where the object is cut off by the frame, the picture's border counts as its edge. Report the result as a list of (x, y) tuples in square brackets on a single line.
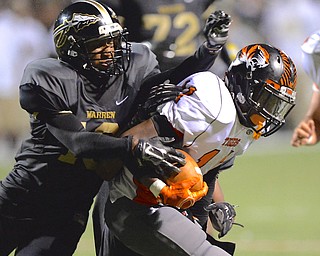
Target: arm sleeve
[(165, 129), (67, 129)]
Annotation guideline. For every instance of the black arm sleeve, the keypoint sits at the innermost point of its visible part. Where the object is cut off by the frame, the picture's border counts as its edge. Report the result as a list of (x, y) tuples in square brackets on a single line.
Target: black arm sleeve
[(202, 60), (69, 131)]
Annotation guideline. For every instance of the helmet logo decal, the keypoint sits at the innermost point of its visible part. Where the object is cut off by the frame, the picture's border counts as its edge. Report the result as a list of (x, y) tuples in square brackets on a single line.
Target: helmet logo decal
[(255, 57), (103, 11), (78, 22)]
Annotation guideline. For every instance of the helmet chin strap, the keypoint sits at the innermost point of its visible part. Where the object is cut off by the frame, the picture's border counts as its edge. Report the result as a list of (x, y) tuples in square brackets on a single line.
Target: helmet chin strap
[(257, 135), (259, 122)]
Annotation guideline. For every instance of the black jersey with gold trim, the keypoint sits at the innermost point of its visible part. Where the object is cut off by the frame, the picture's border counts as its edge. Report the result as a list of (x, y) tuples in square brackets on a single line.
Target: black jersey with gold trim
[(45, 170)]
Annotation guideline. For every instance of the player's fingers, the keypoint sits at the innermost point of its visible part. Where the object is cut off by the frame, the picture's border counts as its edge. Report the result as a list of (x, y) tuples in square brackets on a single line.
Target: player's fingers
[(298, 135), (311, 125), (168, 168), (312, 137), (302, 133), (297, 141), (176, 157), (307, 128), (303, 139)]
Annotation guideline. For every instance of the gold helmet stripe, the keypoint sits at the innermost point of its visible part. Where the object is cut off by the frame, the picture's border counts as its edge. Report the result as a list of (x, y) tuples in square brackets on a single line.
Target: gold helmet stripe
[(101, 9)]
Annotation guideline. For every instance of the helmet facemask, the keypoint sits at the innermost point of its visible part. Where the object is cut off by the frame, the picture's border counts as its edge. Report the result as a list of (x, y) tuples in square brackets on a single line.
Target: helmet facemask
[(262, 96), (269, 107), (107, 55)]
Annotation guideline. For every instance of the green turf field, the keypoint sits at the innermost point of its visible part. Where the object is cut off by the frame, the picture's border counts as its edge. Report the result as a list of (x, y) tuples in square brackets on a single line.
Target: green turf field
[(277, 188)]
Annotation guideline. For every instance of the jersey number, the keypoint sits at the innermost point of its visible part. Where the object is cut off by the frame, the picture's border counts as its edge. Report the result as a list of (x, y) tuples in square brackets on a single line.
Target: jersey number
[(90, 164), (163, 24)]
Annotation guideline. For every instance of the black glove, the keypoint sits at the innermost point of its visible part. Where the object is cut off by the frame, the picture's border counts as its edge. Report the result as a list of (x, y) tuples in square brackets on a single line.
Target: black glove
[(160, 94), (164, 159), (216, 29), (222, 216)]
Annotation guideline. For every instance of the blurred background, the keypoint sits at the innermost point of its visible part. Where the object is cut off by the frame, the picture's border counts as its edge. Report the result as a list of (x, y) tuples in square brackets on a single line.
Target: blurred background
[(276, 186)]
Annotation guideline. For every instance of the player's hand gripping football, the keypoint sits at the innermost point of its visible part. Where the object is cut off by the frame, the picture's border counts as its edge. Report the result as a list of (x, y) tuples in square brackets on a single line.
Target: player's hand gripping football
[(181, 190), (216, 29), (222, 216), (181, 195), (164, 159)]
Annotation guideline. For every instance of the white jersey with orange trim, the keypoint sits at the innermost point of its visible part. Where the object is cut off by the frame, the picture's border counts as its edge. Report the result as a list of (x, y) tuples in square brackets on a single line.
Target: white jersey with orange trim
[(207, 118), (311, 58)]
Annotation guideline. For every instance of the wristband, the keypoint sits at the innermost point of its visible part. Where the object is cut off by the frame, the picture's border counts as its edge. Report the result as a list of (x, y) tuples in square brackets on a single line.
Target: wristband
[(156, 187)]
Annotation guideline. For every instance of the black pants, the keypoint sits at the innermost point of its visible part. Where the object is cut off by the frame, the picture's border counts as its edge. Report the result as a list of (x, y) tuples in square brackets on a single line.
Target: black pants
[(50, 237)]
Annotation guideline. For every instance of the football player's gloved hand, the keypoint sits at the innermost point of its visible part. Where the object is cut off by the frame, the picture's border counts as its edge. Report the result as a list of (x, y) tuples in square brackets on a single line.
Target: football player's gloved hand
[(160, 94), (216, 29), (222, 217), (178, 194), (164, 159)]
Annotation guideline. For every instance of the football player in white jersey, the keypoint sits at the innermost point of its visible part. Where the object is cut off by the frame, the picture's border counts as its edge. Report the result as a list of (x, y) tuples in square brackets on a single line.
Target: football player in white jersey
[(214, 121), (308, 130)]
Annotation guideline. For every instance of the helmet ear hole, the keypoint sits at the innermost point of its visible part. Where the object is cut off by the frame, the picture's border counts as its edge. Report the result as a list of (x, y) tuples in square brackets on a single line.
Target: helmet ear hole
[(249, 75)]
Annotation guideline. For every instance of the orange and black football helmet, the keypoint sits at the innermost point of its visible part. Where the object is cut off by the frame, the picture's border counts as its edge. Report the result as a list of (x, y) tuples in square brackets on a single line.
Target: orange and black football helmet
[(87, 25), (262, 82)]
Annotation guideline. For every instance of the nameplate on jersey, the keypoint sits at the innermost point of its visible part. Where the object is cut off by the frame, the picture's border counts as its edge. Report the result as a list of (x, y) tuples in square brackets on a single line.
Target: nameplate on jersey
[(101, 114)]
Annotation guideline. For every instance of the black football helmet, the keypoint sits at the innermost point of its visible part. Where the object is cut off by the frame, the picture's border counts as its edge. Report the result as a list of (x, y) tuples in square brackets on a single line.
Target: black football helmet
[(85, 26), (262, 82)]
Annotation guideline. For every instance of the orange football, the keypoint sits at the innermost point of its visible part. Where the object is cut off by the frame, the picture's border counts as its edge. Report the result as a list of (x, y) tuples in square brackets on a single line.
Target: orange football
[(189, 171)]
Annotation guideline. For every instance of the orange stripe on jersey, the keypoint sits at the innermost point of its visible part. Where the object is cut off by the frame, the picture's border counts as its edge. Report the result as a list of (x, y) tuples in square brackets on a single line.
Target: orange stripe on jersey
[(191, 90), (207, 157)]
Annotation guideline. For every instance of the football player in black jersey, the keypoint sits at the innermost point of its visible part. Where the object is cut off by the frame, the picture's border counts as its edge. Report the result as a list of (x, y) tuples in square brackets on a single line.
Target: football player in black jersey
[(78, 104)]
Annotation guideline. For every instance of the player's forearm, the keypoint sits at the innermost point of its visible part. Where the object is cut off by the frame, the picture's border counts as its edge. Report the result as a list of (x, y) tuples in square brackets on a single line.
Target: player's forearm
[(202, 60), (314, 108), (218, 195), (67, 129)]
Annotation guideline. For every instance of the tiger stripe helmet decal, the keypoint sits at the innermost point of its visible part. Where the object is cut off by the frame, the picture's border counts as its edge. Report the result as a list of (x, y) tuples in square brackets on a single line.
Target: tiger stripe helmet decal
[(289, 76), (254, 57)]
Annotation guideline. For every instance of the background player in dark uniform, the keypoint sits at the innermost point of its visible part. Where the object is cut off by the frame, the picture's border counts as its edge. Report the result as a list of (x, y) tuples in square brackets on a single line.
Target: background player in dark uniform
[(77, 104), (171, 28)]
